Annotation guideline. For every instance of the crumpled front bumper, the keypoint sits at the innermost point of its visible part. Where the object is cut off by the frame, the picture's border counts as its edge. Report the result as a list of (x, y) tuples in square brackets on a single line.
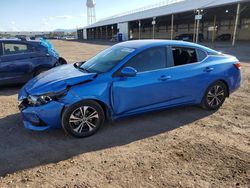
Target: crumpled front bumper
[(40, 118)]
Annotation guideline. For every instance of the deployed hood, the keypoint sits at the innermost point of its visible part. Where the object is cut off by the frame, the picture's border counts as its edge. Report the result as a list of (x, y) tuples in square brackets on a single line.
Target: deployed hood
[(57, 79)]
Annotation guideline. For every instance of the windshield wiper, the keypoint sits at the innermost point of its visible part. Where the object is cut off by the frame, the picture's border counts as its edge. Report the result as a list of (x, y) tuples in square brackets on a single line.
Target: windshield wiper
[(85, 70)]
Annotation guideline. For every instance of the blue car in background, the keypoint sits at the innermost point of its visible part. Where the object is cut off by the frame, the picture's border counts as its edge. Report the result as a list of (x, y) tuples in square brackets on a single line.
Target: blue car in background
[(21, 60), (128, 79)]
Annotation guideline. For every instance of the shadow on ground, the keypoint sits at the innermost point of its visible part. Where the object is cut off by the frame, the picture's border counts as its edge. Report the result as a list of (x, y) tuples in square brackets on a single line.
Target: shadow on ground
[(22, 149)]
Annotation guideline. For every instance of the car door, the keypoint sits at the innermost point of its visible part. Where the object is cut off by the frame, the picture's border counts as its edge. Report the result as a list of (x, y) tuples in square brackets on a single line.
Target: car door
[(148, 89), (16, 62), (189, 77)]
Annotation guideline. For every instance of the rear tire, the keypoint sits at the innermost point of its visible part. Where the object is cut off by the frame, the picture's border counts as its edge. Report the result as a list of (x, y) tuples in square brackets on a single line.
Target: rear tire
[(83, 119), (214, 96)]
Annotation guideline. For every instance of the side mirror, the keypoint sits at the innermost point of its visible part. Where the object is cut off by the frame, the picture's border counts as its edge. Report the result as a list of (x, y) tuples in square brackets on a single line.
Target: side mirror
[(128, 72)]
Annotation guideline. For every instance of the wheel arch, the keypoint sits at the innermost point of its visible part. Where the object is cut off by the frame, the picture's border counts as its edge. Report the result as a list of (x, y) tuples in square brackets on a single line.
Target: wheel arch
[(203, 101), (105, 107), (226, 84), (219, 80)]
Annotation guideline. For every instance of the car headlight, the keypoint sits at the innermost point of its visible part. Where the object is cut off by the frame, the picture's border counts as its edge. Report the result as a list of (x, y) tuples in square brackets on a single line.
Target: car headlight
[(44, 99), (39, 100)]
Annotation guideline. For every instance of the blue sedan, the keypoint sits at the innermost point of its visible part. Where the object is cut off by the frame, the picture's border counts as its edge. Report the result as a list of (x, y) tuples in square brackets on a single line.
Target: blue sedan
[(21, 60), (127, 79)]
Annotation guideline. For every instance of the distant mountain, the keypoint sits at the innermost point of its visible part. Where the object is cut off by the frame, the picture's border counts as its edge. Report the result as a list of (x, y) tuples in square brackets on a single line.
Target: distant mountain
[(65, 30)]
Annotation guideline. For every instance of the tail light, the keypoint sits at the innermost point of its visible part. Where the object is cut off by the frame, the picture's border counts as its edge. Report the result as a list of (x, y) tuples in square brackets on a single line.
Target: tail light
[(237, 65)]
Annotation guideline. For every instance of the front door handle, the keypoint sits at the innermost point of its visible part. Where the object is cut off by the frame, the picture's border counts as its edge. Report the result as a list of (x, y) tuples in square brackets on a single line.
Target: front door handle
[(164, 78), (208, 69)]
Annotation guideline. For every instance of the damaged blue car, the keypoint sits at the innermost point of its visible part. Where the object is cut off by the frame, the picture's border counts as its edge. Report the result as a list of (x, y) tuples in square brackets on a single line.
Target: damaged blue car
[(126, 79)]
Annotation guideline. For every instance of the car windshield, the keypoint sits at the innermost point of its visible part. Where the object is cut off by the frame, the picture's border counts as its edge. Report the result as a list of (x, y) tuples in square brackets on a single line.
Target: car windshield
[(107, 59)]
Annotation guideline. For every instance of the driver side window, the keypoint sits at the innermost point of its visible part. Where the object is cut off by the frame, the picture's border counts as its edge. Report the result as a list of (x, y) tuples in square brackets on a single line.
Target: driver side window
[(148, 60)]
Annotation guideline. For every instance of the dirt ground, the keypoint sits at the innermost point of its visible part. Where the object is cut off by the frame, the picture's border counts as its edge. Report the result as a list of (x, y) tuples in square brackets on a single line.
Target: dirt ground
[(183, 147)]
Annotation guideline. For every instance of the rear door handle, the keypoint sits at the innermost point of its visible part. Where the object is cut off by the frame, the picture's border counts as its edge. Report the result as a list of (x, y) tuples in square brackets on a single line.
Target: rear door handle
[(164, 78), (208, 69)]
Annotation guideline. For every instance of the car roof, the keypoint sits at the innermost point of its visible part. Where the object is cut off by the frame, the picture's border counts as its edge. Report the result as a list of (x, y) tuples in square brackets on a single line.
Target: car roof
[(19, 40), (154, 43)]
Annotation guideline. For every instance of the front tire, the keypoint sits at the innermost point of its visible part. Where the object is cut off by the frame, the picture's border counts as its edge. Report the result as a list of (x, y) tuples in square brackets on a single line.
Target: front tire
[(215, 96), (83, 119)]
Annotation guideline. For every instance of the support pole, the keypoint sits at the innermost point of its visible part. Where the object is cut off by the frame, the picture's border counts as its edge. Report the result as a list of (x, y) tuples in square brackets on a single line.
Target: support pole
[(194, 34), (214, 29), (236, 24), (172, 27), (139, 30), (199, 17), (106, 34), (97, 33), (112, 28), (197, 31), (101, 32), (153, 23)]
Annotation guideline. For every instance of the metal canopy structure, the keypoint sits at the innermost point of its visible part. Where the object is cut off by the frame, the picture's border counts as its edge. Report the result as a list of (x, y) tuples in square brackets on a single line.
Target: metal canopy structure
[(202, 20), (175, 7)]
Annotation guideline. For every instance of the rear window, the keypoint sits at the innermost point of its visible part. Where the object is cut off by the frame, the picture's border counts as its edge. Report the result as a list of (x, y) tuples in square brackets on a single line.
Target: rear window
[(201, 54), (15, 48)]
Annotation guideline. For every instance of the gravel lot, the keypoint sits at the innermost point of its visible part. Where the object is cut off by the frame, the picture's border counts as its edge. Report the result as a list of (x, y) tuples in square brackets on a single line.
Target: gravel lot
[(184, 147)]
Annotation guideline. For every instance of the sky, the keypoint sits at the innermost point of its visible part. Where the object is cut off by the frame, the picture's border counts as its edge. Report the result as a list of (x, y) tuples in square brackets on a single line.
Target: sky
[(48, 15)]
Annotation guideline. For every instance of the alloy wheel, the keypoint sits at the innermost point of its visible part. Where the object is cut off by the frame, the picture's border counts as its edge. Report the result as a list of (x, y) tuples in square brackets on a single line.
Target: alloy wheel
[(84, 119), (215, 96)]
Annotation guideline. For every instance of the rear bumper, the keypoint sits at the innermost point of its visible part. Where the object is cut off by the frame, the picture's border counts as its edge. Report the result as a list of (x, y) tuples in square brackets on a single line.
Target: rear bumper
[(44, 117)]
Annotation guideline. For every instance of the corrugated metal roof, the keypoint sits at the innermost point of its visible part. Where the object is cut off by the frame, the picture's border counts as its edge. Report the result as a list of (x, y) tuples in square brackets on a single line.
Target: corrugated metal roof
[(181, 6)]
